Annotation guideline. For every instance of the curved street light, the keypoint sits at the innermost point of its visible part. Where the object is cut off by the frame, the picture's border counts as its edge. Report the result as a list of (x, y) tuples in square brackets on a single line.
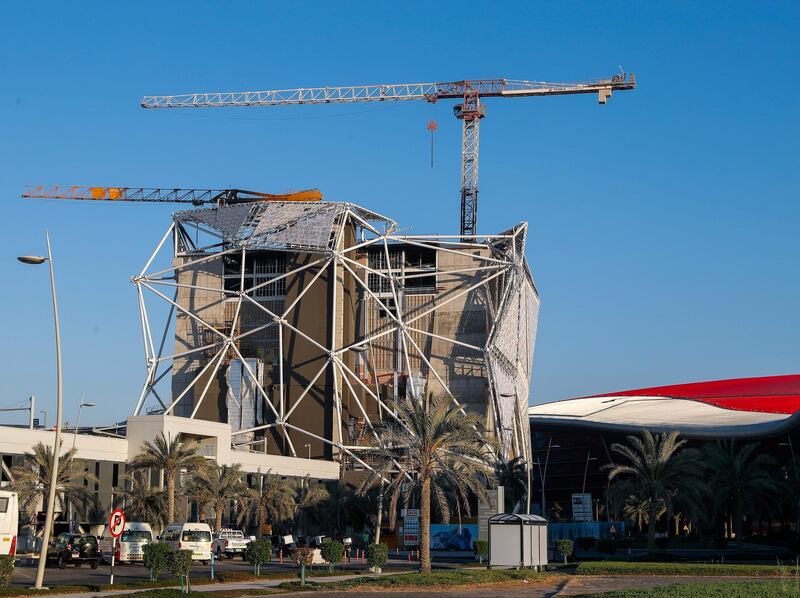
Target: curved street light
[(51, 497)]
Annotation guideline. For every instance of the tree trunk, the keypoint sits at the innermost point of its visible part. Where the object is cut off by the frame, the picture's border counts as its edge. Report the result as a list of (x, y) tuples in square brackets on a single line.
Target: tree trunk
[(425, 527), (170, 481), (218, 512), (739, 523), (651, 530)]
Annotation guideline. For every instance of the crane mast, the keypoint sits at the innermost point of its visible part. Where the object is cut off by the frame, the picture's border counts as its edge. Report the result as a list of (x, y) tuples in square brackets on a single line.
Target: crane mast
[(470, 111)]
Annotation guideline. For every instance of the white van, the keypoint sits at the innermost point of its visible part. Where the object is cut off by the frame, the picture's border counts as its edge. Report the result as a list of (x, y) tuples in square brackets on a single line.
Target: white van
[(130, 545), (189, 536), (9, 522)]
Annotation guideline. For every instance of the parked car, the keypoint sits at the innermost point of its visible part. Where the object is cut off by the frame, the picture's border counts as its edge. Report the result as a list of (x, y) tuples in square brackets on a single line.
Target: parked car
[(130, 545), (189, 536), (229, 542), (73, 549)]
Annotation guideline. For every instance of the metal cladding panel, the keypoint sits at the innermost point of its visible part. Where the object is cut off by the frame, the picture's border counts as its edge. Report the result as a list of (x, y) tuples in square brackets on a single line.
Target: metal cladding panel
[(510, 354), (228, 220), (306, 227)]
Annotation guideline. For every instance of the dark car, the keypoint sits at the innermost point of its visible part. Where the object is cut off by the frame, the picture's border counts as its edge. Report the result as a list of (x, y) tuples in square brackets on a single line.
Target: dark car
[(75, 549)]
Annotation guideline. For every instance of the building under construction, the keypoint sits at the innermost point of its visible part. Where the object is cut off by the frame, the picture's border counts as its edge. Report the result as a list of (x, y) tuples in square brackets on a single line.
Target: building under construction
[(301, 323)]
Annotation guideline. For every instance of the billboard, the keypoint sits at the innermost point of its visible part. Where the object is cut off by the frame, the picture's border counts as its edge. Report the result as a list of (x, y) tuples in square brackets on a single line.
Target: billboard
[(453, 536)]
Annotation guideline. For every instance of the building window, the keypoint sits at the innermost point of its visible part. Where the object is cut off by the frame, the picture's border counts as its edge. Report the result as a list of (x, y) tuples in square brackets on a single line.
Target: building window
[(115, 475), (97, 475)]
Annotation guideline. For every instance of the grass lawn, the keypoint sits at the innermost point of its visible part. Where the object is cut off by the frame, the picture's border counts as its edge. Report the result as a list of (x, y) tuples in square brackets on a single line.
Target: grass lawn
[(762, 589), (442, 579), (632, 568)]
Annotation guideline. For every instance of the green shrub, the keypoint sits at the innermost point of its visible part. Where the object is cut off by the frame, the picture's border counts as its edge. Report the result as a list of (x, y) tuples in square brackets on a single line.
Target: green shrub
[(155, 558), (377, 555), (565, 548), (179, 563), (481, 548), (332, 552), (258, 552), (585, 542), (6, 569)]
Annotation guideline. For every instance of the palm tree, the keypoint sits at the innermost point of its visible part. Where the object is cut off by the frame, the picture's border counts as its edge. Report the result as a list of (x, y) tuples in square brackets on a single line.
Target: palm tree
[(31, 479), (199, 492), (143, 502), (742, 480), (437, 448), (273, 503), (659, 472), (169, 455), (218, 486), (513, 476), (309, 498)]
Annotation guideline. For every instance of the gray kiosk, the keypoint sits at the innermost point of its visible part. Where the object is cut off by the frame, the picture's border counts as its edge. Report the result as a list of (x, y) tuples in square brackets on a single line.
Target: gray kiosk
[(517, 540)]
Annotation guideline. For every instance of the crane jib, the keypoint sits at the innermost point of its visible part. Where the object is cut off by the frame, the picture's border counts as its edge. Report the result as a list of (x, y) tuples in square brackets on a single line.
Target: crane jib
[(469, 111)]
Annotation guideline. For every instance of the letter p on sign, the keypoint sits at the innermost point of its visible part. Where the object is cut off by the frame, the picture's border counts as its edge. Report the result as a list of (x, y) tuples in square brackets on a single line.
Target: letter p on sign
[(116, 522)]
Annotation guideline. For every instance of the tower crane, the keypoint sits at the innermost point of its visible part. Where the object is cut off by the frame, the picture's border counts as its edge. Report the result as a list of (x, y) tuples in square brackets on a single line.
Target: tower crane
[(196, 197), (469, 111)]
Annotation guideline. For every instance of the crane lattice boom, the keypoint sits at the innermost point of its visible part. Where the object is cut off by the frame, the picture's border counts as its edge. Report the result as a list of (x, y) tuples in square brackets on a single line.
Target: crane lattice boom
[(432, 92), (195, 197)]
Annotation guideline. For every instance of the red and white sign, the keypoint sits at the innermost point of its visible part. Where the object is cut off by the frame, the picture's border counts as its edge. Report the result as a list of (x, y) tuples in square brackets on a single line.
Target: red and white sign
[(116, 523)]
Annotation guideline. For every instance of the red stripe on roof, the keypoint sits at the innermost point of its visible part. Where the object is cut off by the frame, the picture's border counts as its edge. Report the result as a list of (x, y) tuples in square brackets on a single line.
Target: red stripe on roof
[(769, 394)]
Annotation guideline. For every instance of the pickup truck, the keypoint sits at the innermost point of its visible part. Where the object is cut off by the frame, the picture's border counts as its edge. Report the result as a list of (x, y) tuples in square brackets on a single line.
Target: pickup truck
[(229, 542)]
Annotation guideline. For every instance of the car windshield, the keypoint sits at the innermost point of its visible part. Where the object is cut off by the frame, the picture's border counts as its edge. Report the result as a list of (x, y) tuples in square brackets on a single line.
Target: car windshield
[(132, 535), (196, 535)]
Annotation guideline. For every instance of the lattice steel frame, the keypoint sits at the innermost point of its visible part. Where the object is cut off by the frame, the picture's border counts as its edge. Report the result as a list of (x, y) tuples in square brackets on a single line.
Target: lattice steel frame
[(507, 353)]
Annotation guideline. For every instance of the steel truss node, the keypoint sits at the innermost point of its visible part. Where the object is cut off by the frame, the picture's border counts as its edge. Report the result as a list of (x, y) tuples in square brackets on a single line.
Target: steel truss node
[(487, 271)]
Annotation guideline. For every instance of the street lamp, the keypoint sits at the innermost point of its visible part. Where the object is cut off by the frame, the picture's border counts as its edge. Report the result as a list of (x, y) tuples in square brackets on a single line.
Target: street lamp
[(308, 446), (543, 474), (78, 420), (51, 498), (44, 418), (586, 470), (791, 450)]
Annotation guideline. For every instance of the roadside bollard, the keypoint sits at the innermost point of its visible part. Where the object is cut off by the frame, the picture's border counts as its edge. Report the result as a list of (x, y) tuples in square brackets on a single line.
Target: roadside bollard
[(212, 564), (280, 556)]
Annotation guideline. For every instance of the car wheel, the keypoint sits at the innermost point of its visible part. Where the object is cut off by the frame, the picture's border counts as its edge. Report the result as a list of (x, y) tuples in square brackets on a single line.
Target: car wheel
[(95, 564), (78, 564), (206, 562), (61, 564)]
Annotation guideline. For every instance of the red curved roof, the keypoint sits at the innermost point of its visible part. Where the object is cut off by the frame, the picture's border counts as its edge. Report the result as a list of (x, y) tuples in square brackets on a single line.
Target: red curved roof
[(770, 394), (743, 407)]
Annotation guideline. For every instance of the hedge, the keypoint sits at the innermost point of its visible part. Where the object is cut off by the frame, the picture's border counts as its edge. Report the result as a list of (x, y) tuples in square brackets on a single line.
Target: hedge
[(6, 569), (633, 568)]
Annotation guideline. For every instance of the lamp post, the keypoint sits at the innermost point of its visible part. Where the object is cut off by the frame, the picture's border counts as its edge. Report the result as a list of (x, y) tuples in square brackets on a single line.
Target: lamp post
[(543, 474), (586, 470), (78, 420), (51, 498), (308, 446), (791, 450), (44, 418)]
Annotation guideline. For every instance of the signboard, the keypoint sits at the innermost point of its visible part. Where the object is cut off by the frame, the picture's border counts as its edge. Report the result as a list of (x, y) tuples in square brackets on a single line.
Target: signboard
[(453, 536), (116, 523), (582, 507), (410, 530), (409, 513), (35, 422)]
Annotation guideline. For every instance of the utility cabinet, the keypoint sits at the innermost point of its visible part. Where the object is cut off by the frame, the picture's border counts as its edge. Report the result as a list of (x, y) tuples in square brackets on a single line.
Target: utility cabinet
[(517, 540)]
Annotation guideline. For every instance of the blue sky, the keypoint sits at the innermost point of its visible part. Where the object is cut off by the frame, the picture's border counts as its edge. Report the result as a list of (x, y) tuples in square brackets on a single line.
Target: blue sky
[(663, 226)]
